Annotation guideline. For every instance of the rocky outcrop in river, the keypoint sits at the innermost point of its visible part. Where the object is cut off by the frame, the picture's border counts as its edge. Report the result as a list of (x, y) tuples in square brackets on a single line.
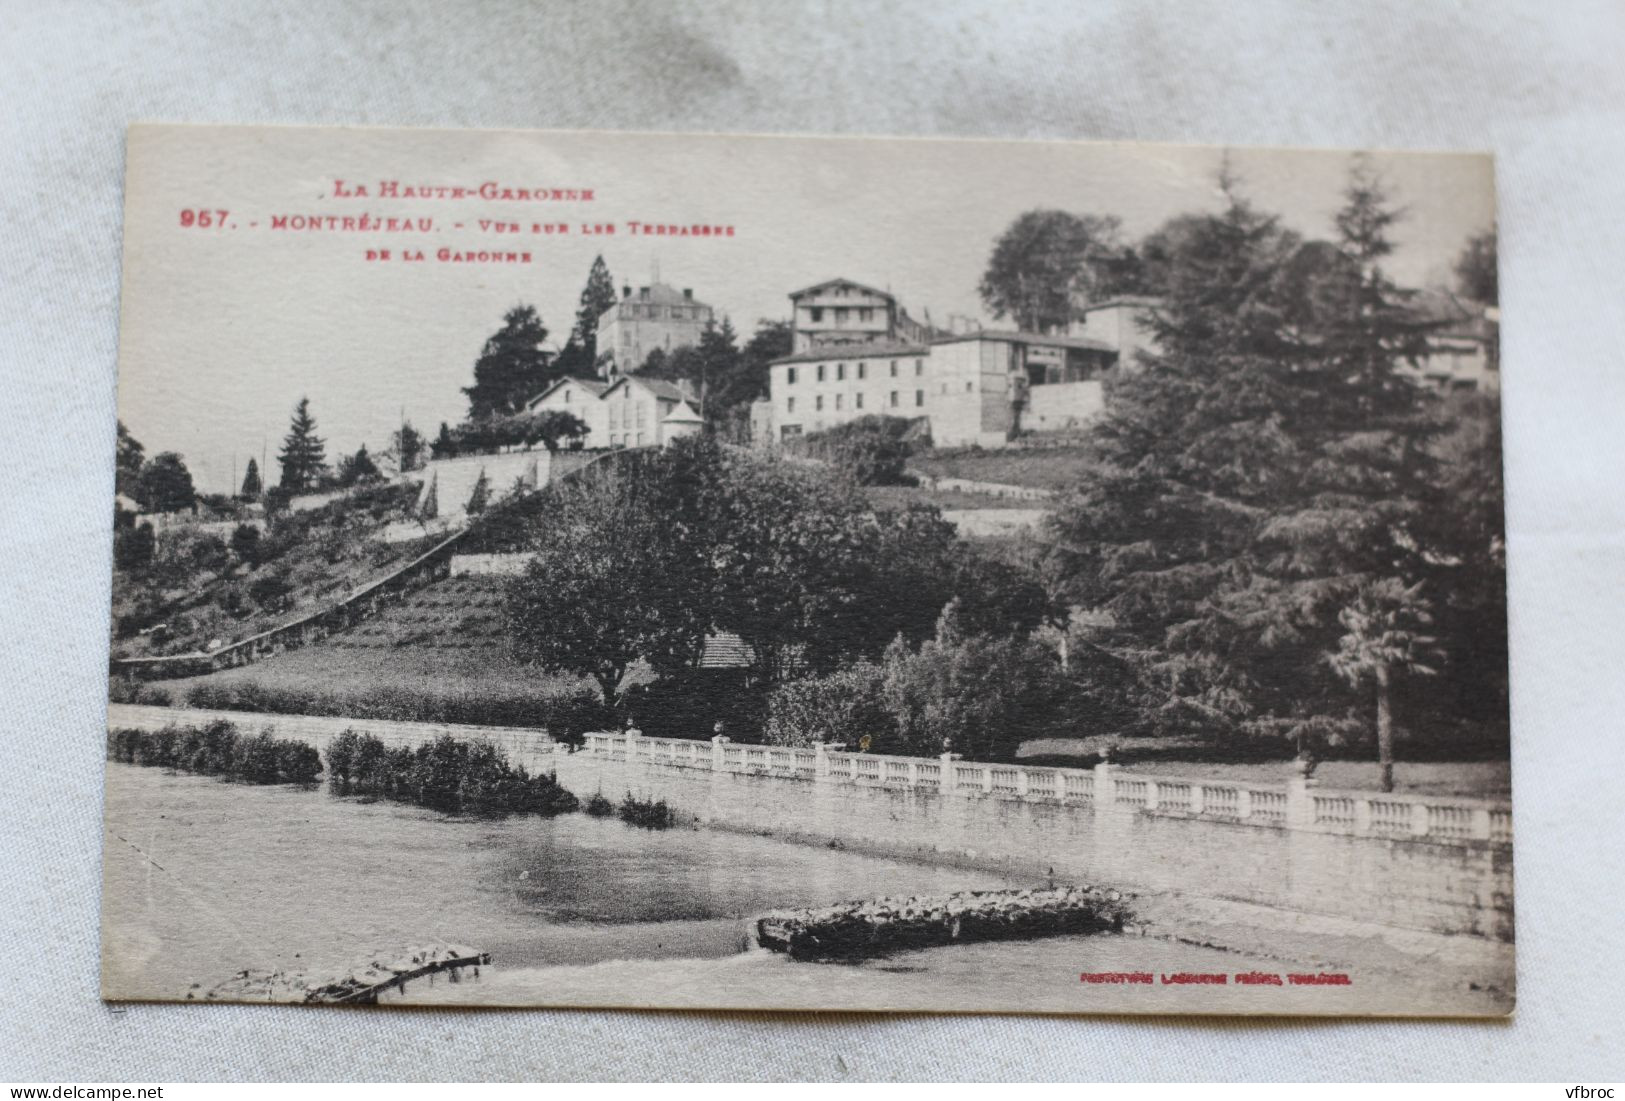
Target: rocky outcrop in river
[(850, 930)]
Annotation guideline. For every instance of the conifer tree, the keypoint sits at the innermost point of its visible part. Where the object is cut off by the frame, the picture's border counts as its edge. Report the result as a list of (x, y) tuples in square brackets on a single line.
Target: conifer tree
[(303, 453), (596, 299), (252, 486), (481, 497), (513, 366), (1258, 472)]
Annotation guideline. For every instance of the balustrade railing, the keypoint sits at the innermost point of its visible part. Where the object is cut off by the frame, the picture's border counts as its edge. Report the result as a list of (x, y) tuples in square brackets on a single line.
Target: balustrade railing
[(1296, 805)]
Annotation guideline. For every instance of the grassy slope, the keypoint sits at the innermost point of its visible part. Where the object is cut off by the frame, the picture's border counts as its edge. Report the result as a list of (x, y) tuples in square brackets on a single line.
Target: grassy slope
[(324, 554), (1042, 468)]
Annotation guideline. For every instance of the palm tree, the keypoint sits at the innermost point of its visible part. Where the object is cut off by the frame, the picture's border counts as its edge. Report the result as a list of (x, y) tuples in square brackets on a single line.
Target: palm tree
[(1383, 638)]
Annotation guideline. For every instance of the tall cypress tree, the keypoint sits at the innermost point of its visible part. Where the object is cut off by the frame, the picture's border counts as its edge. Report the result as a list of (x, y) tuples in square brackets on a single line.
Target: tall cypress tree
[(252, 486), (596, 298), (1261, 473), (303, 453)]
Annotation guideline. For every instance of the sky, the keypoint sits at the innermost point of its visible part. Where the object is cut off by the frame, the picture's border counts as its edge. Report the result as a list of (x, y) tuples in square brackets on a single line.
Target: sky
[(224, 328)]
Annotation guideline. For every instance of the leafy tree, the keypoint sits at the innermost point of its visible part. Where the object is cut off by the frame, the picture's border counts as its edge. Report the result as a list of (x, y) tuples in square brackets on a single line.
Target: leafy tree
[(166, 484), (1046, 263), (304, 454), (481, 497), (127, 465), (1257, 471), (252, 486), (357, 468), (613, 580), (1477, 276), (551, 427), (512, 367)]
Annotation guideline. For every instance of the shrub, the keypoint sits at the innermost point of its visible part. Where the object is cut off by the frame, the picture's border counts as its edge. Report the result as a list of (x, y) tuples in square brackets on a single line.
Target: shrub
[(215, 749), (873, 449), (841, 707), (564, 713), (648, 814), (128, 690), (598, 806)]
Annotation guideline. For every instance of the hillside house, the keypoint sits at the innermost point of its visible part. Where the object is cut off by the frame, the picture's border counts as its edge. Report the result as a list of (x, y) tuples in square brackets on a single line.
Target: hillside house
[(657, 316), (580, 397), (842, 311)]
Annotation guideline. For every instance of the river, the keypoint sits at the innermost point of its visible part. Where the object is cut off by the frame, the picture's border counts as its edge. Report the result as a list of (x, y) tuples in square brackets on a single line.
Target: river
[(210, 878)]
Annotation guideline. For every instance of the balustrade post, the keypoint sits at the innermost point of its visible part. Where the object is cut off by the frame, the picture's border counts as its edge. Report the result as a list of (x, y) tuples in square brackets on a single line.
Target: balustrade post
[(1300, 809), (1481, 823), (914, 774), (820, 761), (987, 779), (1419, 819), (1150, 795), (1362, 815), (1244, 804), (950, 777), (1105, 788), (631, 739), (717, 742), (1023, 784), (1198, 799)]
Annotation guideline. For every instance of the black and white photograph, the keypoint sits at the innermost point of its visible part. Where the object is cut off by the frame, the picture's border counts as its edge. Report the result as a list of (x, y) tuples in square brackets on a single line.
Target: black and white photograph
[(640, 570)]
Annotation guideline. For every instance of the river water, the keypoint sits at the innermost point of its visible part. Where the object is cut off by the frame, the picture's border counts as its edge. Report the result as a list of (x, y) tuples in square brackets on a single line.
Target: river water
[(204, 878)]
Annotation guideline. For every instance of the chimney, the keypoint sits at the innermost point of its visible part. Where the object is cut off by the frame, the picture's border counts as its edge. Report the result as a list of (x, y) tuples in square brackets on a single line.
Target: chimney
[(626, 290), (688, 293)]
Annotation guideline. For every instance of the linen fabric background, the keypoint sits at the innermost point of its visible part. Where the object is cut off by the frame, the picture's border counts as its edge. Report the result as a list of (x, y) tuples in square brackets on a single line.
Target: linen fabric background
[(1539, 83)]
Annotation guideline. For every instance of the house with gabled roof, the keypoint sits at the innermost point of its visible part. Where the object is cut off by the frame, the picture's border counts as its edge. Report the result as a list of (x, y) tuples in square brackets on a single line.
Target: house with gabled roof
[(579, 396), (640, 411), (844, 311)]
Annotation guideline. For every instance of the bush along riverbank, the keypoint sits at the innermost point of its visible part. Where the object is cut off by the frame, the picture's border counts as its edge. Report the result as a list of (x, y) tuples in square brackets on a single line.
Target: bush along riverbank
[(851, 930), (217, 749), (648, 814), (447, 774)]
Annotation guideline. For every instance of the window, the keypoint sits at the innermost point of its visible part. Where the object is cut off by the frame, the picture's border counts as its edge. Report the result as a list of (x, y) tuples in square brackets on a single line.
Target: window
[(818, 402), (640, 439), (817, 313), (789, 430), (969, 387), (863, 370), (866, 314), (790, 405), (919, 397), (894, 399), (790, 377), (820, 372), (840, 314), (894, 368), (838, 398), (567, 395), (857, 400), (919, 367)]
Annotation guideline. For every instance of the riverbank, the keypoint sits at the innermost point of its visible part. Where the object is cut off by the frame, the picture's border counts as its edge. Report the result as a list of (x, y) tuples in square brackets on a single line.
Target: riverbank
[(592, 912)]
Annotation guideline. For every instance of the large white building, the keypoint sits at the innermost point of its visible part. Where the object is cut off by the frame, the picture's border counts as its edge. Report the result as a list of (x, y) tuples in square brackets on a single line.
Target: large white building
[(977, 387), (843, 311)]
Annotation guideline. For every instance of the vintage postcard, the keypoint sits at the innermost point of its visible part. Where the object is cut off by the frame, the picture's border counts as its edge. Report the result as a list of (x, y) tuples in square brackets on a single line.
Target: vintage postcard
[(678, 570)]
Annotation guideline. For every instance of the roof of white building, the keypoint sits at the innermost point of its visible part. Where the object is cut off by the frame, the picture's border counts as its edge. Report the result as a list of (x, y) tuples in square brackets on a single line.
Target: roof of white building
[(1081, 343), (659, 387), (682, 413), (595, 386), (853, 283), (854, 350)]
